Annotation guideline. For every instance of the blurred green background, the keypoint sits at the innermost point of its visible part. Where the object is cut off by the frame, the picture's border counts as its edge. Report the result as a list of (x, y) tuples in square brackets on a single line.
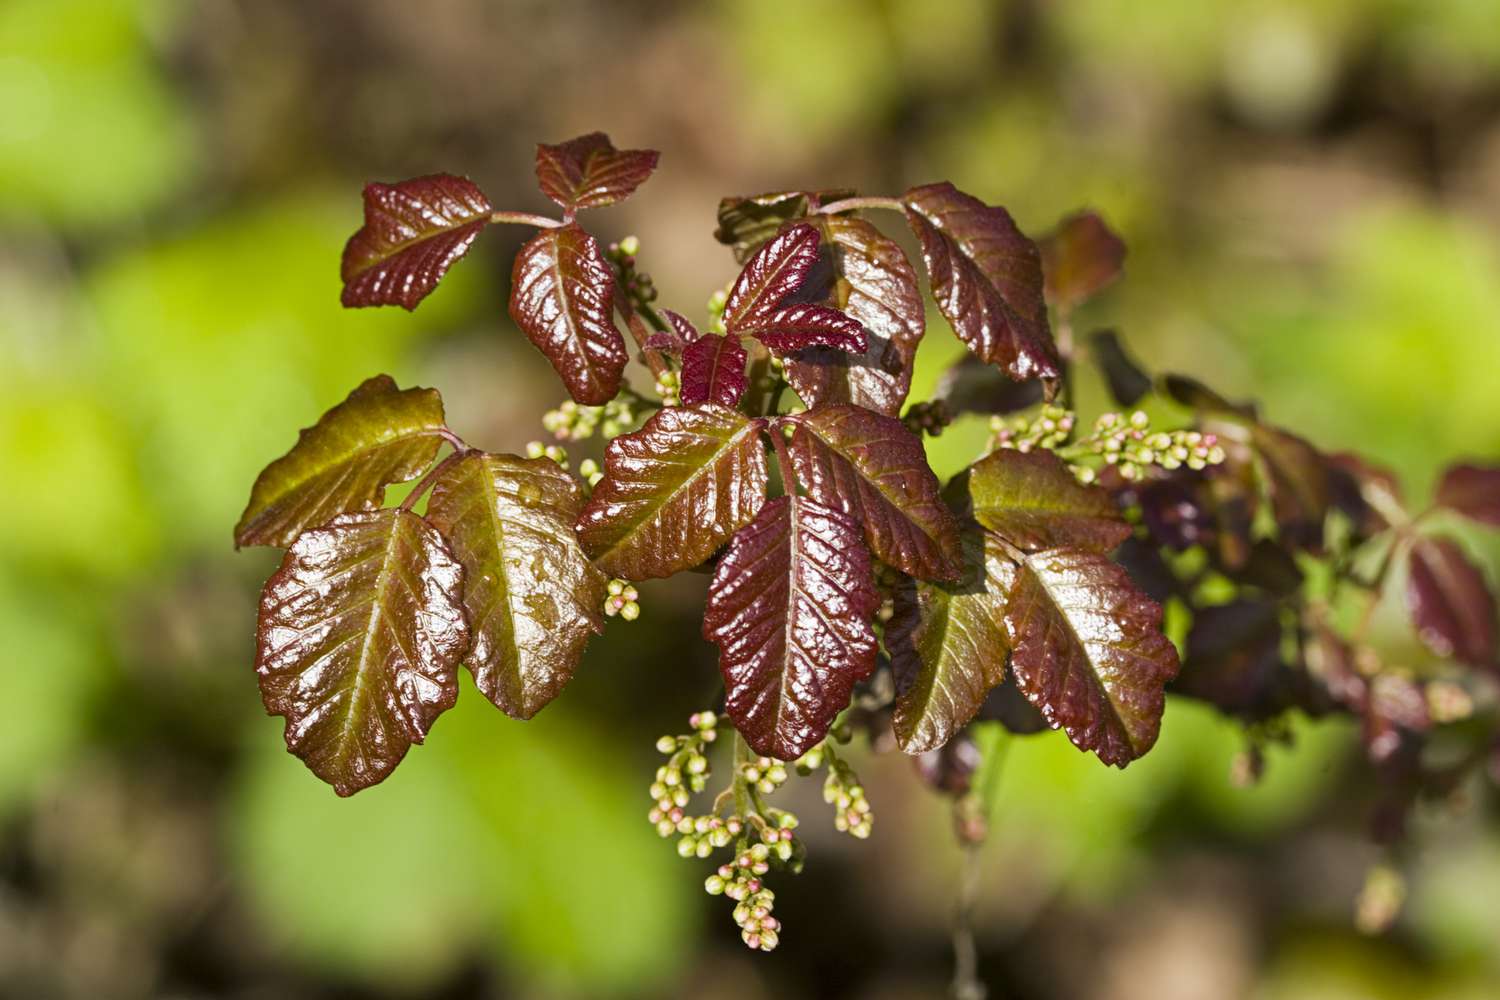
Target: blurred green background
[(1311, 195)]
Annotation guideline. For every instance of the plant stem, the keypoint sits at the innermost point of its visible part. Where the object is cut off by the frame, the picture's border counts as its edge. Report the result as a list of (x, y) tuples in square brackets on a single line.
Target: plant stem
[(783, 461), (527, 219), (850, 204), (432, 474), (966, 982)]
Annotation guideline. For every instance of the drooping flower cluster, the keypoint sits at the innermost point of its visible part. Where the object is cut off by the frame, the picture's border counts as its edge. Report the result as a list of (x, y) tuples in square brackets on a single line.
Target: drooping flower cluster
[(573, 422)]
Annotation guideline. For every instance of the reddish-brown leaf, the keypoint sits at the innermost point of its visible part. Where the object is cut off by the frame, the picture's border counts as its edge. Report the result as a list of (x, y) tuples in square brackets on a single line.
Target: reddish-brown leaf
[(674, 340), (589, 172), (987, 279), (774, 272), (745, 224), (948, 646), (379, 435), (789, 608), (1033, 500), (713, 371), (561, 294), (413, 233), (1080, 258), (1450, 602), (872, 468), (533, 598), (674, 491), (796, 327), (867, 275), (360, 634), (1088, 651), (1473, 491)]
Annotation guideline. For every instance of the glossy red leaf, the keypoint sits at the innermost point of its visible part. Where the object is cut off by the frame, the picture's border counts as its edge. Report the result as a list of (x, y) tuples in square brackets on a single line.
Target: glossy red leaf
[(1035, 502), (987, 279), (745, 224), (589, 172), (413, 233), (774, 272), (789, 608), (533, 598), (1089, 653), (868, 277), (796, 327), (713, 371), (1473, 491), (360, 634), (674, 340), (379, 435), (948, 646), (562, 295), (872, 468), (1450, 602), (1080, 258), (674, 491)]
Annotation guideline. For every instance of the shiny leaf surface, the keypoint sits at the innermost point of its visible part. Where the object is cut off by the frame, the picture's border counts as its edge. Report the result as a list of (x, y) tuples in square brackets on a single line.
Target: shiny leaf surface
[(872, 468), (674, 491), (1473, 491), (377, 436), (1088, 651), (674, 340), (1034, 501), (867, 276), (796, 327), (713, 371), (589, 172), (1080, 258), (774, 272), (1450, 602), (987, 279), (562, 294), (745, 224), (413, 233), (948, 647), (531, 595), (358, 644), (789, 608)]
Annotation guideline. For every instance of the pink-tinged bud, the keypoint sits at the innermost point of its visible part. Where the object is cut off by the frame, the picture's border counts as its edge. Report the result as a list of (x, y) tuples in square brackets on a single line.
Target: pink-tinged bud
[(760, 868), (753, 940), (676, 815), (753, 885), (726, 871), (693, 720), (760, 913), (771, 924), (654, 815)]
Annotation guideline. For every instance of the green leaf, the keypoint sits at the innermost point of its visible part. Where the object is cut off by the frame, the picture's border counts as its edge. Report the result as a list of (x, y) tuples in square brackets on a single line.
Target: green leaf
[(948, 646), (532, 596), (1088, 651), (872, 468), (674, 491), (413, 233), (745, 224), (562, 295), (867, 276), (378, 436), (789, 608), (987, 279), (1034, 501), (589, 172), (358, 643)]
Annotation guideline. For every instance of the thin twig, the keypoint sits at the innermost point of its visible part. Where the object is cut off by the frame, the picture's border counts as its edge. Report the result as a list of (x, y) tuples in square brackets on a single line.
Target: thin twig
[(851, 204), (527, 219)]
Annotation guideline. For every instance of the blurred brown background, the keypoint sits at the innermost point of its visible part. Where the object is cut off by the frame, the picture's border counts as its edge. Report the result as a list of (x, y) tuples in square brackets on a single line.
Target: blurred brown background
[(1311, 195)]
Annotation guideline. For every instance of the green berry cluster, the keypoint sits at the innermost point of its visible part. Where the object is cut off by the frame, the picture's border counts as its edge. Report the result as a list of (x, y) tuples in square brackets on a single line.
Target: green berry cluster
[(622, 599), (590, 471), (740, 880), (928, 418), (636, 284), (572, 422), (1129, 444), (716, 303), (535, 449), (685, 773), (669, 388), (842, 790), (1048, 429)]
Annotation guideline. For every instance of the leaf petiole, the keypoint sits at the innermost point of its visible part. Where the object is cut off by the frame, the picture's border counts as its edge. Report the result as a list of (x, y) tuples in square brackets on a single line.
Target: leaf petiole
[(851, 204), (426, 481), (527, 219)]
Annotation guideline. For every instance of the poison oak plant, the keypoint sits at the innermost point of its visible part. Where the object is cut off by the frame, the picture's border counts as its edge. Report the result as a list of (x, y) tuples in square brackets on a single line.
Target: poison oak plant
[(780, 452)]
